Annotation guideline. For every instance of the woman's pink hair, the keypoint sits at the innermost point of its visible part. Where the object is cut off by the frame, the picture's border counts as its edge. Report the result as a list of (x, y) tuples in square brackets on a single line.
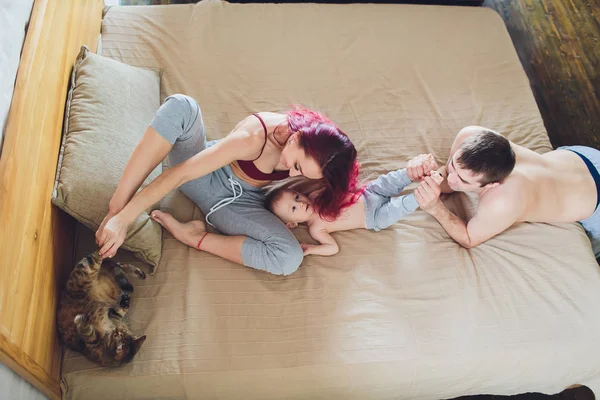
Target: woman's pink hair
[(334, 152)]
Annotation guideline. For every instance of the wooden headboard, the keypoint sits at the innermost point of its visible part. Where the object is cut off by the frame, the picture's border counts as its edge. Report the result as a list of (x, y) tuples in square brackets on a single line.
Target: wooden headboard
[(36, 239)]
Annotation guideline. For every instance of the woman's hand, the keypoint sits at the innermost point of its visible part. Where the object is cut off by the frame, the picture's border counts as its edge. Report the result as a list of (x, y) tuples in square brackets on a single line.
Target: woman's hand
[(111, 235), (103, 224)]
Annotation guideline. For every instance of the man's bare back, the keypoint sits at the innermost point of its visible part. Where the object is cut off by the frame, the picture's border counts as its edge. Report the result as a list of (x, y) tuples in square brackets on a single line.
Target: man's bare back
[(551, 187)]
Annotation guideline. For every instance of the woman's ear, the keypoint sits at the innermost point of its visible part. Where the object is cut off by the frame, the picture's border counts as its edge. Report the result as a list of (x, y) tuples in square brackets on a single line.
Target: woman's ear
[(291, 225), (294, 137)]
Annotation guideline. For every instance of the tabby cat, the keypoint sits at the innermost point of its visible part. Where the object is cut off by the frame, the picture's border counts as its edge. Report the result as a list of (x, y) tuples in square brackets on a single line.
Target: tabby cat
[(92, 309)]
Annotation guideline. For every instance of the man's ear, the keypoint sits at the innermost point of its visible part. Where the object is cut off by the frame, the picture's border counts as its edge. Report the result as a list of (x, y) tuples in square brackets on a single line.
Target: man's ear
[(491, 185), (291, 225)]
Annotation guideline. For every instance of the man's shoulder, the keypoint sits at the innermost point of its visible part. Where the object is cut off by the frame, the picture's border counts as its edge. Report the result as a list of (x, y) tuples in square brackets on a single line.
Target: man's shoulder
[(504, 197)]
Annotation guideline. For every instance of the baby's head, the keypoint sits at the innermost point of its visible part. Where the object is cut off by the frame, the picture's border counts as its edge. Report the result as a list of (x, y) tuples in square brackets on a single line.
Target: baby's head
[(289, 206)]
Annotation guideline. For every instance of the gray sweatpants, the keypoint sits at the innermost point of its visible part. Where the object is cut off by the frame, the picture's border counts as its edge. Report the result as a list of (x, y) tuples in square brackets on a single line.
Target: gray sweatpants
[(269, 245), (381, 209)]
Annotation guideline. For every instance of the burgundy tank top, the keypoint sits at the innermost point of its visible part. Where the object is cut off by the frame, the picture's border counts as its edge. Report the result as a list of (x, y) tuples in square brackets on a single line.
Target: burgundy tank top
[(250, 169)]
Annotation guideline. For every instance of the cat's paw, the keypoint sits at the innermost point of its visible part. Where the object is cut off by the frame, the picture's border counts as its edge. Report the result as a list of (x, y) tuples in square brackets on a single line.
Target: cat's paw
[(133, 269), (141, 274), (125, 301)]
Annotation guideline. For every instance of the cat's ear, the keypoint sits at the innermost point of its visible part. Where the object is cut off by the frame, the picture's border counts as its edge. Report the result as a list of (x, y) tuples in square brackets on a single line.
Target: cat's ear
[(139, 342)]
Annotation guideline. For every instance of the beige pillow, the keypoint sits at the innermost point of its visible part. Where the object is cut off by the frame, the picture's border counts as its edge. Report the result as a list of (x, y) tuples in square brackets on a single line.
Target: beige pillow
[(109, 107)]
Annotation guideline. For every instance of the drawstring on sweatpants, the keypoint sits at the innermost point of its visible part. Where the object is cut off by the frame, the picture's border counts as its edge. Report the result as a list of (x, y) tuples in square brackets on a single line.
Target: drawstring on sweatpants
[(228, 200)]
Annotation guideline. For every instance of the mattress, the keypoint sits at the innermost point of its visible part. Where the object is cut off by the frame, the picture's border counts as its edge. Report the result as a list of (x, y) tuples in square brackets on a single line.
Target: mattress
[(403, 313)]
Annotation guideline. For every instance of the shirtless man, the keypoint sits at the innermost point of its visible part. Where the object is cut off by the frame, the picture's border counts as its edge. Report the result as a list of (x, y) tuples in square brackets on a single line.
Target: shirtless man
[(514, 184)]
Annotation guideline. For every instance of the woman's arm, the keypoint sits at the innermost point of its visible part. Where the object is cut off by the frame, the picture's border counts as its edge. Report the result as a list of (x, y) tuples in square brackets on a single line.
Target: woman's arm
[(149, 152), (238, 145), (203, 163)]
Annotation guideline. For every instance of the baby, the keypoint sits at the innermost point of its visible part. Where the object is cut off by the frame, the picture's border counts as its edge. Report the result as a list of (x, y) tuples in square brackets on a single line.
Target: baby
[(376, 209)]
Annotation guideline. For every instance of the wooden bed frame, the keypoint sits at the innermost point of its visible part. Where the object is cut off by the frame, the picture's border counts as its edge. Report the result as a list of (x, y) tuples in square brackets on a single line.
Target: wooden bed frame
[(36, 238)]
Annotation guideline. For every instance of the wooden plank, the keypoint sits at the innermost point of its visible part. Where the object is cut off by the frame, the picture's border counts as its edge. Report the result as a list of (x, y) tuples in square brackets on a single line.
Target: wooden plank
[(36, 238), (558, 42)]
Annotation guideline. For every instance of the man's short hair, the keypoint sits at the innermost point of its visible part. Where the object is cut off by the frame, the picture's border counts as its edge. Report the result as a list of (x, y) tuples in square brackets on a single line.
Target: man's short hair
[(488, 154)]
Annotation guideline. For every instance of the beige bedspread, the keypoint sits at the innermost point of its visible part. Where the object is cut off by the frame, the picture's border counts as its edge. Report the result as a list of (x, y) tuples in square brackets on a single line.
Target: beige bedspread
[(404, 313)]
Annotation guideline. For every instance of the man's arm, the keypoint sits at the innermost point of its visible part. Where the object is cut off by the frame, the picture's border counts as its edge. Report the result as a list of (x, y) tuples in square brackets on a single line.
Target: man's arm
[(487, 223), (494, 215)]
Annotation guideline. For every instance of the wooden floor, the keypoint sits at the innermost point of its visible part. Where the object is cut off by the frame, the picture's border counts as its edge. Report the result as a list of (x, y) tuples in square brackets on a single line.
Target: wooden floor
[(558, 42)]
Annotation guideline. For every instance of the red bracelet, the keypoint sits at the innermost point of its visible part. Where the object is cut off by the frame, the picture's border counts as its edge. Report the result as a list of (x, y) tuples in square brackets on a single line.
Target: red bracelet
[(200, 241)]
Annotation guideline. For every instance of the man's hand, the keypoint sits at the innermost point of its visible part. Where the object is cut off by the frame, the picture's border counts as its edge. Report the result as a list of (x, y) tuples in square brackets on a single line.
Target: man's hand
[(428, 194), (420, 166)]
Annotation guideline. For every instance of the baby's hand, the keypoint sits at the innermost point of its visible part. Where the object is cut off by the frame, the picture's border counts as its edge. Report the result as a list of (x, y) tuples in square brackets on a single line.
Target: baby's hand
[(306, 248), (437, 177)]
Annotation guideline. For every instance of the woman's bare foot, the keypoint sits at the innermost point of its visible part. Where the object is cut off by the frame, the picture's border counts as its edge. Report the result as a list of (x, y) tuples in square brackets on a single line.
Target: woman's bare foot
[(189, 233)]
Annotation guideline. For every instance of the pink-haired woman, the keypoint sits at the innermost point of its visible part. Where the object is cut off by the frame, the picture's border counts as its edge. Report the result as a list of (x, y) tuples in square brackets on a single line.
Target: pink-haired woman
[(224, 178)]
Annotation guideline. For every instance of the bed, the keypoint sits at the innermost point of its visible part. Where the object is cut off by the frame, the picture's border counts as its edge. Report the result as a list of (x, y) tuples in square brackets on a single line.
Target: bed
[(404, 313)]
